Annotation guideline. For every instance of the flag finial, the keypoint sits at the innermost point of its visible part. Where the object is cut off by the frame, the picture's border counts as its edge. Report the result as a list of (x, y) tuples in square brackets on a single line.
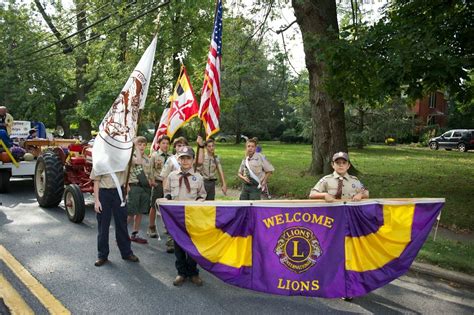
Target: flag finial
[(181, 55)]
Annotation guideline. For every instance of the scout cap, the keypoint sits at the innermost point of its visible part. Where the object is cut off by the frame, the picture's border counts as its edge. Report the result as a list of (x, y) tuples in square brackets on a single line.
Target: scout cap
[(340, 155), (186, 151)]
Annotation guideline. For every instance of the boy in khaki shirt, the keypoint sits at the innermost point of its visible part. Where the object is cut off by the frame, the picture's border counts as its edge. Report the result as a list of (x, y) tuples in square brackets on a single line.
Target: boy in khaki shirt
[(157, 161), (210, 167), (185, 184), (140, 183), (339, 185)]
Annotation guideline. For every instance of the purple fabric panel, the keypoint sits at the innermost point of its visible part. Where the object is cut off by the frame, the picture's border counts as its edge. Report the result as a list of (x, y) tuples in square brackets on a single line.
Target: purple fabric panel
[(270, 275), (360, 283), (235, 221), (363, 220), (173, 216)]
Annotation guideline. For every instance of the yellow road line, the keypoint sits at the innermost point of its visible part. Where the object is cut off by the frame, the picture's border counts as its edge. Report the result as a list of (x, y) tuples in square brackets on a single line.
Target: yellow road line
[(53, 305), (12, 299)]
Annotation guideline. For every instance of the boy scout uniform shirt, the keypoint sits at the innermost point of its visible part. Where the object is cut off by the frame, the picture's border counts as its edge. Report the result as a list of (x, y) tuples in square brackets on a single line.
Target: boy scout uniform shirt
[(351, 186), (208, 169), (158, 160), (196, 184), (169, 166), (106, 181), (258, 164), (137, 168)]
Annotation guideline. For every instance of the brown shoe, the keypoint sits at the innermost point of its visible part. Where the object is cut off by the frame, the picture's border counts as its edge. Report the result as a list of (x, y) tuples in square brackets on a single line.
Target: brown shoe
[(196, 280), (131, 258), (99, 262), (179, 281)]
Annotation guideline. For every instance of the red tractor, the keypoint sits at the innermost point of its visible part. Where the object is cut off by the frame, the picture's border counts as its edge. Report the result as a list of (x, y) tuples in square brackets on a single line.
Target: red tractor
[(60, 174)]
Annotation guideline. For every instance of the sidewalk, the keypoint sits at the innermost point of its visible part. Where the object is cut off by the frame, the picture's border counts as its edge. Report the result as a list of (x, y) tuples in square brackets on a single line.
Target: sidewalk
[(437, 272)]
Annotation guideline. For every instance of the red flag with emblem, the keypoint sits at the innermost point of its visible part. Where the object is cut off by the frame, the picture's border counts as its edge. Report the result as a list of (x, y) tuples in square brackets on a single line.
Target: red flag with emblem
[(183, 104)]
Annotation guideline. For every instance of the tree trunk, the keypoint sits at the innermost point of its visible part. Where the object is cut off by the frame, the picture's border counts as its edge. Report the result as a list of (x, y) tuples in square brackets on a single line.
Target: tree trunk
[(318, 20), (85, 126)]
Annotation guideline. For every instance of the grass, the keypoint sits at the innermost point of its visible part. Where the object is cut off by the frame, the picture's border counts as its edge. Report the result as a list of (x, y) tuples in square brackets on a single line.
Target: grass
[(387, 171), (448, 254)]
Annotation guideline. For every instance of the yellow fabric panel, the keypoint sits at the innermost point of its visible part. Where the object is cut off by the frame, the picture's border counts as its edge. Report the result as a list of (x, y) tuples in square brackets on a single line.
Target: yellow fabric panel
[(214, 244), (375, 250)]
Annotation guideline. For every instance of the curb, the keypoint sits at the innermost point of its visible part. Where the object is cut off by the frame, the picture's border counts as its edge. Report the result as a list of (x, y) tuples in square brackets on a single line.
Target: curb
[(448, 275)]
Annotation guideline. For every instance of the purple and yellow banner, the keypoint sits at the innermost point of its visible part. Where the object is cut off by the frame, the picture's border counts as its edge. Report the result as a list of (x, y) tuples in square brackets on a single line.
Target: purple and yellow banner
[(303, 247)]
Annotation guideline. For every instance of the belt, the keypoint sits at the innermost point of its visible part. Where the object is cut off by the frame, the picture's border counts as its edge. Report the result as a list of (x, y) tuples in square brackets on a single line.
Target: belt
[(211, 180), (134, 184)]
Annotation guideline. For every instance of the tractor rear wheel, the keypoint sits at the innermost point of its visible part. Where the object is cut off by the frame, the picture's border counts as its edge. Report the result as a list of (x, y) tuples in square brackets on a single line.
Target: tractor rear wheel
[(4, 181), (49, 180), (74, 203)]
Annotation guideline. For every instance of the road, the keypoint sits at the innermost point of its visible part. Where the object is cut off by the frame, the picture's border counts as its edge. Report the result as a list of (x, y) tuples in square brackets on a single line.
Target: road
[(61, 255)]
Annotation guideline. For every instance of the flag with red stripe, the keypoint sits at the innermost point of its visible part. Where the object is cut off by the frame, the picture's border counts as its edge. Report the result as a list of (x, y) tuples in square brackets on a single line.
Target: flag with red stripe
[(162, 129), (183, 104), (209, 110)]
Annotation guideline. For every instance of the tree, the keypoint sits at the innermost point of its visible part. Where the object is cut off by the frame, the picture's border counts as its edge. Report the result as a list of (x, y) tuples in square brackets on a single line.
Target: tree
[(317, 20)]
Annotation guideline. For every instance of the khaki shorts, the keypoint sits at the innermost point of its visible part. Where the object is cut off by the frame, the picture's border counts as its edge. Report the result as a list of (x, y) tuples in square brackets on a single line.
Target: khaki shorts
[(138, 200)]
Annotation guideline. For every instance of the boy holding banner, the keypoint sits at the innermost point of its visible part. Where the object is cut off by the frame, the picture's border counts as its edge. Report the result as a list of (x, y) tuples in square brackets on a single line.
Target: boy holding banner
[(172, 164), (339, 185), (184, 184), (254, 171)]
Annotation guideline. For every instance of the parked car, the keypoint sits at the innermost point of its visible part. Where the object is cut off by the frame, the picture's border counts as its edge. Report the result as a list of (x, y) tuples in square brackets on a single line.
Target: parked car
[(229, 138), (461, 139)]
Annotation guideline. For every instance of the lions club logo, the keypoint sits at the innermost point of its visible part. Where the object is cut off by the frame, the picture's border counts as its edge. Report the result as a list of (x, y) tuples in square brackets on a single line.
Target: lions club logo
[(298, 248)]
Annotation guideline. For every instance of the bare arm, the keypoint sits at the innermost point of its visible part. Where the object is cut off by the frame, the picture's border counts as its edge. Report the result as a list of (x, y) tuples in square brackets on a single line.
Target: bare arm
[(97, 205), (222, 178), (200, 157)]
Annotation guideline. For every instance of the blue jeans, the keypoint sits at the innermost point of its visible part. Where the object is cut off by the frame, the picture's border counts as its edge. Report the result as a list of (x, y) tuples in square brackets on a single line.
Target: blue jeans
[(110, 201)]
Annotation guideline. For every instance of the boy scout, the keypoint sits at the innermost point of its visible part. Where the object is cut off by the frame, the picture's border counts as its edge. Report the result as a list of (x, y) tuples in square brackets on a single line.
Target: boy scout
[(254, 171), (157, 161), (185, 184), (172, 164), (210, 167), (339, 185), (107, 203), (140, 181)]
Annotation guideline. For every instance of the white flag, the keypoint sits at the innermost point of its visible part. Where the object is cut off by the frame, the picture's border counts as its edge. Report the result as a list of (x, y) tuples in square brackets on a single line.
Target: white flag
[(113, 145)]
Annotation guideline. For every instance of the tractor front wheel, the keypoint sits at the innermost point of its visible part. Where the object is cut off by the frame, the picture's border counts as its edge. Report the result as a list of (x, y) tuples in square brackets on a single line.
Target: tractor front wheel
[(74, 203), (49, 180)]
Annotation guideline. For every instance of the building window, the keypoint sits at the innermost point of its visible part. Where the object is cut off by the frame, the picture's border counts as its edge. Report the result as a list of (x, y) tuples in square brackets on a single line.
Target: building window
[(432, 103)]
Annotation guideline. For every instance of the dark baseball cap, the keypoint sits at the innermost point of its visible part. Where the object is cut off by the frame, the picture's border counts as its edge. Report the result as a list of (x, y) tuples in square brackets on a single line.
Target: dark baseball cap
[(340, 155), (186, 151)]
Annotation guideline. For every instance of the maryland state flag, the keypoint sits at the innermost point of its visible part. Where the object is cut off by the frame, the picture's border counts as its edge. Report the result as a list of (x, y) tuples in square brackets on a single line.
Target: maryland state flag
[(183, 104), (303, 247)]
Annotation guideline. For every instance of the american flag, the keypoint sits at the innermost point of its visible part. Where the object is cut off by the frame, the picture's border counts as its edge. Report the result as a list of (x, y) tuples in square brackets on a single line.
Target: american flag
[(209, 110)]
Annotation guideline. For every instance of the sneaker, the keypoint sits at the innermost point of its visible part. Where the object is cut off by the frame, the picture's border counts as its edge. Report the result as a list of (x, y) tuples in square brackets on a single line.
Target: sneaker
[(196, 280), (179, 281), (131, 258), (152, 232), (137, 239)]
